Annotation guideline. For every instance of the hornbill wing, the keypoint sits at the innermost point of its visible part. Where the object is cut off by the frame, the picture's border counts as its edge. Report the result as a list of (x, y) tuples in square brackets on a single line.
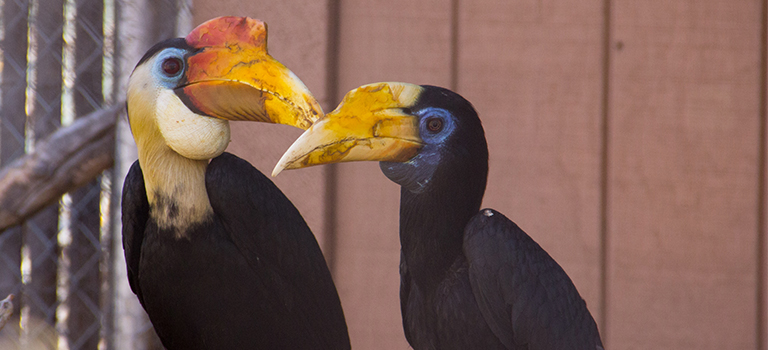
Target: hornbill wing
[(135, 213), (405, 292), (526, 298), (274, 238)]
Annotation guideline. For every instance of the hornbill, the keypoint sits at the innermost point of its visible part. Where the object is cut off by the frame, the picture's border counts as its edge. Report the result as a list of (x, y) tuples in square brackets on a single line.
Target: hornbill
[(469, 278), (218, 257)]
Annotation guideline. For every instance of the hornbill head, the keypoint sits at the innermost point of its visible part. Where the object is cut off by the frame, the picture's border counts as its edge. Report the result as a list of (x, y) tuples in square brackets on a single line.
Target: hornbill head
[(183, 93), (184, 90), (416, 131)]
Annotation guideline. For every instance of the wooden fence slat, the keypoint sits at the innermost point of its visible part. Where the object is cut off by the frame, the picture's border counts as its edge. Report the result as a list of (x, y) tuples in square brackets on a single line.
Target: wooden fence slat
[(14, 50), (762, 268), (761, 324), (401, 40), (85, 250), (40, 231), (533, 70), (683, 174)]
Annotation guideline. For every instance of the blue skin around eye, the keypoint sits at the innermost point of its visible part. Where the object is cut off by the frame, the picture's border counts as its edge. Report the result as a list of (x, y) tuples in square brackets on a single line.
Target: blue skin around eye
[(157, 67), (416, 173)]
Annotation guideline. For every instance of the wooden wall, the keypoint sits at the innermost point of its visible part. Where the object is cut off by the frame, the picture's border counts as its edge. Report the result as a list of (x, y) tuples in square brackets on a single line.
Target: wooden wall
[(626, 137)]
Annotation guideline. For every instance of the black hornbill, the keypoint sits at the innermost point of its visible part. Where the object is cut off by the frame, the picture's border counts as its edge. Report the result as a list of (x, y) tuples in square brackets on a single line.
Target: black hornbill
[(217, 255), (469, 278)]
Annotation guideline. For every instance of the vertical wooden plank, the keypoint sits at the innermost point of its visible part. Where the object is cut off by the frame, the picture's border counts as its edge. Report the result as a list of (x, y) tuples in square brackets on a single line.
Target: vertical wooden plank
[(683, 174), (762, 238), (85, 250), (12, 116), (533, 70), (399, 40), (297, 38), (40, 232), (762, 213)]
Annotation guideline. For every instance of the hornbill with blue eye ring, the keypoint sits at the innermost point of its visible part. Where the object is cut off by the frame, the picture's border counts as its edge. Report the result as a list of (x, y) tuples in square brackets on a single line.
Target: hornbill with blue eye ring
[(217, 255), (469, 278)]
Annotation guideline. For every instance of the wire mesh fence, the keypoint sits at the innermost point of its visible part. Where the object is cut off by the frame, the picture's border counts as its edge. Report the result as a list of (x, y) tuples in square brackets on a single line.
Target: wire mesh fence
[(60, 60)]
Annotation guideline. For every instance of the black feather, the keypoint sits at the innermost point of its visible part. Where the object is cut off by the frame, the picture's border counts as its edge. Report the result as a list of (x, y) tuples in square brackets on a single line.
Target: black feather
[(135, 214)]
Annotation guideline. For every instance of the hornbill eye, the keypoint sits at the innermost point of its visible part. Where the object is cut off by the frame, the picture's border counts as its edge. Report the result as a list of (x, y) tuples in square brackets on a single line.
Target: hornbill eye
[(172, 66), (434, 124)]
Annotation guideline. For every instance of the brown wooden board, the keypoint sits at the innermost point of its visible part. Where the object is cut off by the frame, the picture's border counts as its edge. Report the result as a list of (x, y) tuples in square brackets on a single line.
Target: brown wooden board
[(40, 231), (85, 224), (13, 47), (761, 325), (533, 71), (683, 158), (398, 40)]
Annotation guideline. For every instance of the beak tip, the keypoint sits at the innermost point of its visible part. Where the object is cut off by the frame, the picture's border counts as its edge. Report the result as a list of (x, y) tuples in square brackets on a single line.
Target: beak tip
[(281, 165)]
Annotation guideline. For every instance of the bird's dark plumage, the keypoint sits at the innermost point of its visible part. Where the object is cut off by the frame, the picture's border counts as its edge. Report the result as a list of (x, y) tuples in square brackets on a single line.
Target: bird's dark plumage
[(472, 278), (540, 303), (252, 277)]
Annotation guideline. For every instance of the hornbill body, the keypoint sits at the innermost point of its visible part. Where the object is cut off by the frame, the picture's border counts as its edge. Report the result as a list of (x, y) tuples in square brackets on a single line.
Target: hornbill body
[(216, 254), (470, 278)]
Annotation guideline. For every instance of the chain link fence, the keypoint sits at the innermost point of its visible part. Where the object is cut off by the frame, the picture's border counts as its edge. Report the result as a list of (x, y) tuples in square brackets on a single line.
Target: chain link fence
[(60, 60)]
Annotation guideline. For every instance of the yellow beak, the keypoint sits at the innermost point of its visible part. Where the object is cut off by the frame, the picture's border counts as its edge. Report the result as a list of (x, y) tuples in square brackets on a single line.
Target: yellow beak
[(371, 123), (232, 77)]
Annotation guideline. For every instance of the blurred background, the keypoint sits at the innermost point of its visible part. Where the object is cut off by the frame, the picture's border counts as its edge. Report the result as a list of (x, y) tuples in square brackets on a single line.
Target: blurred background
[(627, 137)]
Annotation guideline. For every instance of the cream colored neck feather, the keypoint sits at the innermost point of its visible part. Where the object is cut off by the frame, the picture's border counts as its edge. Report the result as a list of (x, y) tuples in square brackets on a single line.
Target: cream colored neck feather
[(175, 189), (174, 146)]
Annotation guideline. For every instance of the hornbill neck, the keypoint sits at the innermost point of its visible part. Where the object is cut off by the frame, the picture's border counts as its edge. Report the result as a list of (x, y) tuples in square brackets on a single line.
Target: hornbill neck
[(432, 222), (175, 187)]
